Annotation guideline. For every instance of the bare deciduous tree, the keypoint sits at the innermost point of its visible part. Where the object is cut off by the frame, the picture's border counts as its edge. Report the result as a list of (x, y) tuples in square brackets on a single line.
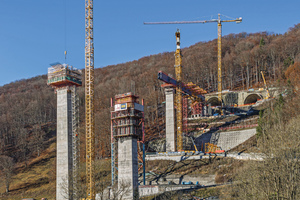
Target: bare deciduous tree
[(277, 176), (6, 169)]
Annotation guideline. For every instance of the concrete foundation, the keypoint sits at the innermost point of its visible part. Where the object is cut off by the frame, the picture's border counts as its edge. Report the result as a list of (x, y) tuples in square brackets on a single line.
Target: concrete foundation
[(170, 119), (128, 168), (64, 145)]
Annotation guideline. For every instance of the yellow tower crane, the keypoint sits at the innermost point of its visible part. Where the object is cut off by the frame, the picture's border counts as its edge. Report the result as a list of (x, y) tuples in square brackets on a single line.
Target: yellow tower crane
[(89, 100), (219, 21), (178, 72), (238, 20)]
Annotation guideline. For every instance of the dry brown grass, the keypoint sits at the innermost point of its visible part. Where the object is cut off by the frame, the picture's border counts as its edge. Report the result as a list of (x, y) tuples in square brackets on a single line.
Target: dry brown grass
[(38, 180)]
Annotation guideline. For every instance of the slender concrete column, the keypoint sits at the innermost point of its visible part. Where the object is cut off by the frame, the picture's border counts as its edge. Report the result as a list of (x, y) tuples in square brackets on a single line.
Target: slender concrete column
[(128, 168), (170, 119), (64, 144)]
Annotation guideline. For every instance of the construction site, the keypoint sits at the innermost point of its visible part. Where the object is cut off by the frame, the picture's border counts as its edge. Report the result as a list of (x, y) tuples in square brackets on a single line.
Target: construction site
[(150, 100), (198, 125)]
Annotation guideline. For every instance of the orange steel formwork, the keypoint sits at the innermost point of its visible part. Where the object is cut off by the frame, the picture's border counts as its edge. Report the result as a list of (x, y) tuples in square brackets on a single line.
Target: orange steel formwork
[(127, 119)]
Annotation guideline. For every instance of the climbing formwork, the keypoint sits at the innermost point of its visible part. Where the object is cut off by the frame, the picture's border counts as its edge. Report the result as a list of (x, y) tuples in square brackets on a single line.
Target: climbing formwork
[(60, 75), (127, 116), (127, 129)]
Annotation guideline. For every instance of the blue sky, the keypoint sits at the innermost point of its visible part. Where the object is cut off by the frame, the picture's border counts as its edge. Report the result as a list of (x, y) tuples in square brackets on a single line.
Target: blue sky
[(35, 33)]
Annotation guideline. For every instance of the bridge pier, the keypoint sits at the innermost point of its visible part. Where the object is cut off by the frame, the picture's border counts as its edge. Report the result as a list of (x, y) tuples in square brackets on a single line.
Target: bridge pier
[(170, 117)]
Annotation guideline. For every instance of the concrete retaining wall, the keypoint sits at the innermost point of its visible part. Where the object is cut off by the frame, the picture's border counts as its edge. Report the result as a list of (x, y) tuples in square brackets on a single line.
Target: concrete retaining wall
[(148, 190), (145, 190), (226, 140), (246, 156)]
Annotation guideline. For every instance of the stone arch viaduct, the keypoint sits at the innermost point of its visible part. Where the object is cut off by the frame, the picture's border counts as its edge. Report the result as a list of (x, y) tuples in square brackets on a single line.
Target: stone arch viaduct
[(231, 98)]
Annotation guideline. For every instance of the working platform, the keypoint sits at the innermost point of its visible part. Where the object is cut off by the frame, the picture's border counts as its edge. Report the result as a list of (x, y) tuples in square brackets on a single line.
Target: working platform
[(60, 75)]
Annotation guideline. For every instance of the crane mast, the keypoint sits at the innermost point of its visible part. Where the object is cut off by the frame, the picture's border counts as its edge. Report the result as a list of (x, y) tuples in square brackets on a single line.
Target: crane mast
[(219, 60), (237, 20), (178, 72), (89, 100)]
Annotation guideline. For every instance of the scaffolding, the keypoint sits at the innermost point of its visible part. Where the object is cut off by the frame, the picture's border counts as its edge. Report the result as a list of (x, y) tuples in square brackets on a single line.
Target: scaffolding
[(211, 148), (75, 139), (197, 109), (185, 115), (64, 75), (127, 119)]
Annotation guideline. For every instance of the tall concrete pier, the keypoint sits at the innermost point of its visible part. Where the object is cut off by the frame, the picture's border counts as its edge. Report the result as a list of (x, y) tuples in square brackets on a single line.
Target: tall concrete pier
[(64, 79), (170, 117), (128, 167), (64, 156)]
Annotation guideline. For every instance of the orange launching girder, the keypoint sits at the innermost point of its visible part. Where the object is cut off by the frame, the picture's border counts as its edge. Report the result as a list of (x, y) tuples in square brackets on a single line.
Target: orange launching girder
[(196, 90)]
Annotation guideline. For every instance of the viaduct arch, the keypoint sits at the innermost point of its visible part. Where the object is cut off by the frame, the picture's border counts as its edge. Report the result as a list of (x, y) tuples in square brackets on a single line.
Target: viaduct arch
[(214, 101), (252, 98)]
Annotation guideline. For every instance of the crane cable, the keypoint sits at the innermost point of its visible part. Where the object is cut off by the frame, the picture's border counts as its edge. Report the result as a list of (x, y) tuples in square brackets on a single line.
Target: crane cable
[(65, 27)]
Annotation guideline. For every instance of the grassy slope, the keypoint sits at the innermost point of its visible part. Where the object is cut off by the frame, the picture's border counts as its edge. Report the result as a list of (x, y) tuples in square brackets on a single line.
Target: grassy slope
[(38, 179), (35, 181)]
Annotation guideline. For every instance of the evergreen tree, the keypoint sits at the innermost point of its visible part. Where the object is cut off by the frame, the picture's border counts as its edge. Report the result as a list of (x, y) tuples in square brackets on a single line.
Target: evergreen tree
[(262, 42)]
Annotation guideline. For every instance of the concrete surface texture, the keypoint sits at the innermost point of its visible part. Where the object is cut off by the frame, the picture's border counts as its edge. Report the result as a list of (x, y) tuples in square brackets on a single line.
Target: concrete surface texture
[(64, 144), (128, 167), (170, 122), (225, 140)]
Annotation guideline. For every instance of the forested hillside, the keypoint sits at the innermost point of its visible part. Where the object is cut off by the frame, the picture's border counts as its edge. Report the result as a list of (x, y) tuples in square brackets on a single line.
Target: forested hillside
[(28, 107), (277, 175)]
